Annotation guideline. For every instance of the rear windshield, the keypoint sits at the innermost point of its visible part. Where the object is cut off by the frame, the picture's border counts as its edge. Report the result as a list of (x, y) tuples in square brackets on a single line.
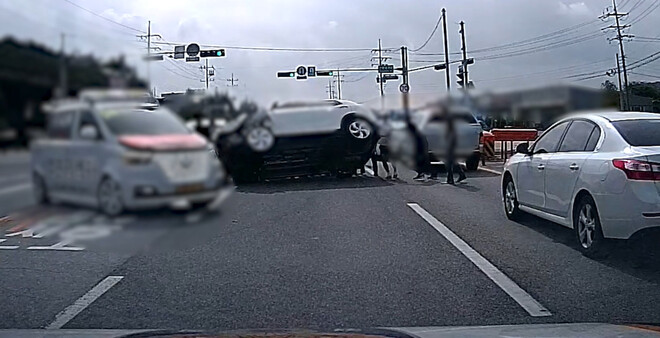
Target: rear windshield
[(142, 122), (640, 133)]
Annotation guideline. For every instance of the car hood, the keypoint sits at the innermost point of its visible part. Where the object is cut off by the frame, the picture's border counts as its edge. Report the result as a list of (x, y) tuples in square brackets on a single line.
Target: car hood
[(526, 330)]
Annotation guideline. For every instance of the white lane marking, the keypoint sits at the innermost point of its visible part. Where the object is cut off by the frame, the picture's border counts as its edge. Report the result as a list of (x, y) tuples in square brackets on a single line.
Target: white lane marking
[(534, 308), (15, 188), (15, 178), (83, 302), (492, 171), (7, 247)]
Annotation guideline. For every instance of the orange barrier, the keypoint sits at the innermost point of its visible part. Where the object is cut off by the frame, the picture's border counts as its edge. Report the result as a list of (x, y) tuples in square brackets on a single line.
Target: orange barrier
[(511, 135), (487, 142)]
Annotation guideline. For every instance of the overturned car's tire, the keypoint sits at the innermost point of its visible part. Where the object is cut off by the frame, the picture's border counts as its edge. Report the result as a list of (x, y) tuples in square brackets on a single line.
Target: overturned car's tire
[(358, 129)]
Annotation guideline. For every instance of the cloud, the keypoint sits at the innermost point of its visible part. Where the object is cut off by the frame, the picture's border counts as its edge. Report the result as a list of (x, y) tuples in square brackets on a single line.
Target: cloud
[(575, 8), (332, 24)]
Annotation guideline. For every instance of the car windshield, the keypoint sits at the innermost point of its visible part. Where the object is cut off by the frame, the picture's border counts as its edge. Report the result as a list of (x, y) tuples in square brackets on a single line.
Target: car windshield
[(142, 122), (641, 133)]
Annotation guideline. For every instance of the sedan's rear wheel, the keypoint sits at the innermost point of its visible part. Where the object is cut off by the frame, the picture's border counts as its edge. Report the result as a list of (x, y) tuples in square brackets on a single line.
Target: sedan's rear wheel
[(109, 197), (511, 207), (588, 231)]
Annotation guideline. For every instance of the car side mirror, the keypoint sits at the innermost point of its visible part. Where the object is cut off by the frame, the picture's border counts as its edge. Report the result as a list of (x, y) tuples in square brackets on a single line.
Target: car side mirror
[(523, 148), (89, 132)]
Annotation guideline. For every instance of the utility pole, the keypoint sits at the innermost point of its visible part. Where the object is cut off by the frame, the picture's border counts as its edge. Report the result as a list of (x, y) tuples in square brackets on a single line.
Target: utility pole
[(380, 62), (62, 90), (404, 64), (339, 81), (444, 29), (148, 37), (330, 90), (208, 72), (618, 73), (620, 37), (232, 80)]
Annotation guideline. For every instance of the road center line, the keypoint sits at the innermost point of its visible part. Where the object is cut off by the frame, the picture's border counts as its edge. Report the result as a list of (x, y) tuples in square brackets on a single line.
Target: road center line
[(15, 188), (488, 170), (534, 308), (83, 302)]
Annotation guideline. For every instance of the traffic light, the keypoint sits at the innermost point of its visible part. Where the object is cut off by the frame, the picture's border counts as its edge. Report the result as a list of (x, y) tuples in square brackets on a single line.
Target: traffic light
[(461, 76), (212, 53), (324, 73), (286, 74)]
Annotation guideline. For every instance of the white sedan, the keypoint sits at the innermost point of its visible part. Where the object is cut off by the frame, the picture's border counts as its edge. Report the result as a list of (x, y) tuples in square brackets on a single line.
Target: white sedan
[(597, 173)]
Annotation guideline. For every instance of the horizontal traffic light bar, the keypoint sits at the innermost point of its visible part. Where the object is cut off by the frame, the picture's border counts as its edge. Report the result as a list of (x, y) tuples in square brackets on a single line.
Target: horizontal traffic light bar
[(324, 73), (212, 53), (286, 74)]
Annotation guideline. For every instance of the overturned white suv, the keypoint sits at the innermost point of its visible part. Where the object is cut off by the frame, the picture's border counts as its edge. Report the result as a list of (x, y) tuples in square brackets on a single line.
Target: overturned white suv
[(299, 138)]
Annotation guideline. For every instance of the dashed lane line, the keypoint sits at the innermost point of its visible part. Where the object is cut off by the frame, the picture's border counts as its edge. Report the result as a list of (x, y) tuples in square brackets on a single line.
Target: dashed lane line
[(492, 171), (533, 307), (83, 302), (15, 188)]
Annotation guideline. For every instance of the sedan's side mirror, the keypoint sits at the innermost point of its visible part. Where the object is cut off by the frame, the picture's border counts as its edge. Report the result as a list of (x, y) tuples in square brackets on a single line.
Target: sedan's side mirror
[(523, 148), (89, 132)]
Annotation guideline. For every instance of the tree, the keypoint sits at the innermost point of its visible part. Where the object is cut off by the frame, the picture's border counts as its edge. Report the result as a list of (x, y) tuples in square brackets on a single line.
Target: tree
[(644, 89), (611, 94)]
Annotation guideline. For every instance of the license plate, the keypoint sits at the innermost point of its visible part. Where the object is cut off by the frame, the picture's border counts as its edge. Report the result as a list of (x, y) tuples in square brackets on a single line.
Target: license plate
[(189, 188)]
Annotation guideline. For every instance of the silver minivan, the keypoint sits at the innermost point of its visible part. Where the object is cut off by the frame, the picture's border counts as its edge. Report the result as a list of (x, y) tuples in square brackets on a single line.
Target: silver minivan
[(117, 156)]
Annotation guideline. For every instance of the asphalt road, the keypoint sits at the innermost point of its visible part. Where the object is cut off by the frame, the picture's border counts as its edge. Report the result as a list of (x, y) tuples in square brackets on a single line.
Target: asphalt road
[(309, 253)]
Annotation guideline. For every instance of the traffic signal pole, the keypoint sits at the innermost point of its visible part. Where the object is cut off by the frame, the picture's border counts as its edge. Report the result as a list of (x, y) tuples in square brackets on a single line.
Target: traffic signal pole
[(444, 31), (464, 50)]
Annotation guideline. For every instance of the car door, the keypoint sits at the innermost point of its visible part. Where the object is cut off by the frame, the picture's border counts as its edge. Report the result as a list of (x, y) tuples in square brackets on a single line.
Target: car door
[(54, 155), (468, 129), (531, 169), (564, 167), (86, 155)]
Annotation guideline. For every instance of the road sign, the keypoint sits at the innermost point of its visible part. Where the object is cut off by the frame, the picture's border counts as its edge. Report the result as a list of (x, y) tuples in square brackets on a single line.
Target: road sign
[(404, 88), (386, 68), (179, 52), (192, 59), (301, 70), (311, 71), (212, 53), (192, 50), (391, 77)]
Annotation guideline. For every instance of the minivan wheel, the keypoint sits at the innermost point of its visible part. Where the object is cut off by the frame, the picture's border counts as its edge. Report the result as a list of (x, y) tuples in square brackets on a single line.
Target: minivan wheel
[(511, 207), (588, 231), (109, 197), (39, 189), (472, 162)]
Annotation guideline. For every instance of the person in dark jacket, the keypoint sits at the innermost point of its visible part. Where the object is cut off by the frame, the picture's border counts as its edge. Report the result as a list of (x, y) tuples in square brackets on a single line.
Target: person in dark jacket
[(450, 161)]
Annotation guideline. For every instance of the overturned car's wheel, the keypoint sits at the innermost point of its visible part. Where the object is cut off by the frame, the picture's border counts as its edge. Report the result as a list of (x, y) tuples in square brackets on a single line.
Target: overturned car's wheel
[(472, 162), (359, 128)]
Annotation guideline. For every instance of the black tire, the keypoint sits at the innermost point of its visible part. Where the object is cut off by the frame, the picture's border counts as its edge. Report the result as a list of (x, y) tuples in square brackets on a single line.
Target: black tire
[(588, 231), (40, 189), (510, 199), (106, 187), (472, 162)]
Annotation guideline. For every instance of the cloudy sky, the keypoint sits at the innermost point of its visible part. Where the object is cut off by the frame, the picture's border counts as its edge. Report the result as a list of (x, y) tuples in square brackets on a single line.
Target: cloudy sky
[(509, 39)]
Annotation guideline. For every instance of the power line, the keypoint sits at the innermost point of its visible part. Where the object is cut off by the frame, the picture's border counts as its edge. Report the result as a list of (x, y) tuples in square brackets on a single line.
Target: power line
[(104, 18), (275, 49), (652, 7), (647, 75), (430, 36)]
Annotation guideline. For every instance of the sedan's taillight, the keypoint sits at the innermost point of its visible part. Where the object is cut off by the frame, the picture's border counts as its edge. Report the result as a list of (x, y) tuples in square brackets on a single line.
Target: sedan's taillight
[(639, 170)]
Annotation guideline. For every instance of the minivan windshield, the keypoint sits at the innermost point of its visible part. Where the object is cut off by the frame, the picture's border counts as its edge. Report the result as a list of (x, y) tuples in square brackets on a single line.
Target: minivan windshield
[(142, 122), (640, 133)]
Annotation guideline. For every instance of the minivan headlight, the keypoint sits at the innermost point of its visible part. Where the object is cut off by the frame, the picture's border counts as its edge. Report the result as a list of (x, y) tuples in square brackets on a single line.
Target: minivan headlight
[(132, 157)]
